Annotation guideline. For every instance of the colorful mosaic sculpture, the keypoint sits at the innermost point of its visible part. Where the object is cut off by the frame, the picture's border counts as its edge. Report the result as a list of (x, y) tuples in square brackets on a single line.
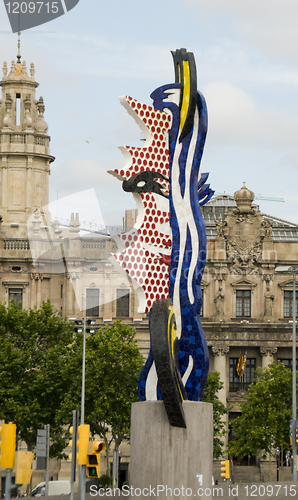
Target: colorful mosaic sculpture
[(165, 252)]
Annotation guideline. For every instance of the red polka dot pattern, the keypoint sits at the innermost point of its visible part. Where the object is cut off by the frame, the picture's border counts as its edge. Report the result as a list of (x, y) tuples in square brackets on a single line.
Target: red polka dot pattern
[(142, 264)]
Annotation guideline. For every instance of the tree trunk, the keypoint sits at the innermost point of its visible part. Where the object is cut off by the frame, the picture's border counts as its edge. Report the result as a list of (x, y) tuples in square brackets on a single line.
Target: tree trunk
[(107, 456), (269, 467)]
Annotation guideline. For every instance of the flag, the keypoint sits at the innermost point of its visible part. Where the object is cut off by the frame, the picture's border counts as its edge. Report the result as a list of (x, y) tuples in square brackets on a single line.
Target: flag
[(240, 369)]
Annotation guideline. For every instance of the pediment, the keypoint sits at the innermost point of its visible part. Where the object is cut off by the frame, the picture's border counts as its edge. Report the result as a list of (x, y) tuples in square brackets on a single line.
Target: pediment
[(287, 284), (243, 283)]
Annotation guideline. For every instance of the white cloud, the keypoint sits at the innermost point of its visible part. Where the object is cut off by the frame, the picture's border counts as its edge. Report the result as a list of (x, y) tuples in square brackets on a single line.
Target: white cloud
[(268, 24), (235, 117), (107, 56), (78, 174), (290, 160)]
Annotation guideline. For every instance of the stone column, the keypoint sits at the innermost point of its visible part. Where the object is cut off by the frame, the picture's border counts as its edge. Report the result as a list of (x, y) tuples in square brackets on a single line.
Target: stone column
[(78, 298), (109, 310), (220, 365), (33, 290), (69, 312), (267, 355), (38, 293), (30, 186), (4, 182)]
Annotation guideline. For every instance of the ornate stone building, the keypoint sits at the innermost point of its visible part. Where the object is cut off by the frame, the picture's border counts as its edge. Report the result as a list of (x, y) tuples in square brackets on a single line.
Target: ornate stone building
[(247, 309), (40, 259)]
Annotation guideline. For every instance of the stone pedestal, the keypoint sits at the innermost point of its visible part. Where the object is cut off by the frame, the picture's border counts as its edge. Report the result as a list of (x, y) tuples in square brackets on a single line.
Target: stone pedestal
[(166, 458)]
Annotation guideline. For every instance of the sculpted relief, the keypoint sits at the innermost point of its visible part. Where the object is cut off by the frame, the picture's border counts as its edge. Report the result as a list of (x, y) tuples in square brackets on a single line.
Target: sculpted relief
[(244, 229)]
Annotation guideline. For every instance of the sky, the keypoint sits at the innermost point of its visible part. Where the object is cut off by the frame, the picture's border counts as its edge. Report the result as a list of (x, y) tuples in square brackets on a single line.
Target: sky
[(247, 69)]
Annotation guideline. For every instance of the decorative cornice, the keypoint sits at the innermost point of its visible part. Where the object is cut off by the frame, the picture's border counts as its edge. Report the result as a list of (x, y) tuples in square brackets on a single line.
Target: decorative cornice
[(251, 337), (287, 284), (14, 284), (268, 351), (243, 283), (220, 350), (36, 276)]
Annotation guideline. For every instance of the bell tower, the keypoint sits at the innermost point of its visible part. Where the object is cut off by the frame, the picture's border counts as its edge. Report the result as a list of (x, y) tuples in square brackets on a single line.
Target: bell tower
[(24, 150)]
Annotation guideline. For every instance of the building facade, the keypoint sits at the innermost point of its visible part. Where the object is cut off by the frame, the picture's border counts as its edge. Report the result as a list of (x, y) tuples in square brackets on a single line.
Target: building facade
[(39, 258), (247, 307)]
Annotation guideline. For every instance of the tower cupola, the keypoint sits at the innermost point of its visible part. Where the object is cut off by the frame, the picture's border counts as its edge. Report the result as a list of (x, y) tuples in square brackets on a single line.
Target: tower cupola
[(244, 198), (24, 148)]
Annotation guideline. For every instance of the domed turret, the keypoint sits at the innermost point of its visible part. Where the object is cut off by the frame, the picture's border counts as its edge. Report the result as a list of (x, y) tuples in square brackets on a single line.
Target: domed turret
[(24, 149), (244, 198)]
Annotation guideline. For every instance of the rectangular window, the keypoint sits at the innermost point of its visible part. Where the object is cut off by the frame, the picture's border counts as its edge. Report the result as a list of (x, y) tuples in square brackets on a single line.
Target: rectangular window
[(288, 303), (241, 383), (61, 292), (202, 310), (288, 363), (16, 294), (243, 301), (18, 109), (122, 302), (92, 302)]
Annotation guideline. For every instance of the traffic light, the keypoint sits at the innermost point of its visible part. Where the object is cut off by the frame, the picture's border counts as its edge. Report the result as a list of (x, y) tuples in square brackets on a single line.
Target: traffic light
[(24, 461), (291, 432), (8, 445), (93, 467), (90, 325), (225, 469), (71, 430), (83, 444), (79, 325)]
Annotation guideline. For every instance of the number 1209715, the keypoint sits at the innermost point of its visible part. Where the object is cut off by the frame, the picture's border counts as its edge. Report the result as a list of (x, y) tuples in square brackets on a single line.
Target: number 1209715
[(270, 490), (32, 7)]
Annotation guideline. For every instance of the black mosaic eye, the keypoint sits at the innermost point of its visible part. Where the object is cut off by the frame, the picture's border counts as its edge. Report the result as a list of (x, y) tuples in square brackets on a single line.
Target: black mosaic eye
[(145, 182)]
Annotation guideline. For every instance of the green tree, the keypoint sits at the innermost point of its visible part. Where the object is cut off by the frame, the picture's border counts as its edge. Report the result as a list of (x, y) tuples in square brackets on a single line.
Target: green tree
[(213, 385), (264, 421), (113, 365), (33, 354)]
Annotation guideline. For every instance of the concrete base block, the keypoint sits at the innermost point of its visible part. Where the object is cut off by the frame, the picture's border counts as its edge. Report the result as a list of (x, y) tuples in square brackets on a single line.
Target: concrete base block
[(172, 461)]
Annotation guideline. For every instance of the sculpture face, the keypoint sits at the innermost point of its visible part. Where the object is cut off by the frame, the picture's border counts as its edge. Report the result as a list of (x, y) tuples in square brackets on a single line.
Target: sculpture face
[(147, 247), (165, 252)]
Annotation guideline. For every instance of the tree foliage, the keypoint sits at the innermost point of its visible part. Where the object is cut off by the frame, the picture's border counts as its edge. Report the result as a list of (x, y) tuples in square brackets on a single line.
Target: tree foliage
[(33, 361), (113, 364), (213, 385), (264, 421)]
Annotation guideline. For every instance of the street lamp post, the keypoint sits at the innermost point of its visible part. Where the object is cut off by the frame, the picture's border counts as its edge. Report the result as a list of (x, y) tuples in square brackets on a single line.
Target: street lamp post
[(82, 468), (293, 271), (294, 381), (83, 375), (82, 472), (277, 452)]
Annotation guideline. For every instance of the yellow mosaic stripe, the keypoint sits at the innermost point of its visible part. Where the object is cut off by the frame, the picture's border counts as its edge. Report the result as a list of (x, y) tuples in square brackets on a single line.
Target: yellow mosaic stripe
[(171, 340), (186, 94)]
